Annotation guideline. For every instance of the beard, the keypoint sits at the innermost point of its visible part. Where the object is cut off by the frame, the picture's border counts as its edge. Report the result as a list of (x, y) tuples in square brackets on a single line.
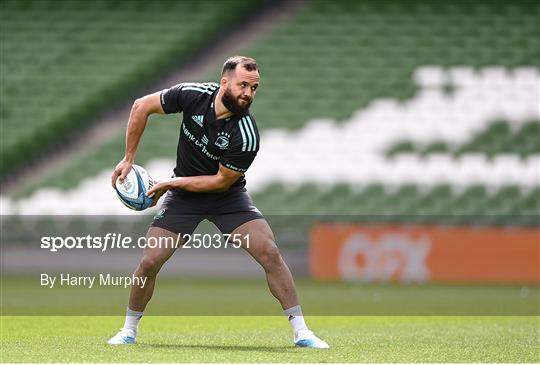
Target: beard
[(232, 103)]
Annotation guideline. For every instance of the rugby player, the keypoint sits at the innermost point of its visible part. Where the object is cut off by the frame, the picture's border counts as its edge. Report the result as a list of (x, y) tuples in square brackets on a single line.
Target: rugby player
[(218, 142)]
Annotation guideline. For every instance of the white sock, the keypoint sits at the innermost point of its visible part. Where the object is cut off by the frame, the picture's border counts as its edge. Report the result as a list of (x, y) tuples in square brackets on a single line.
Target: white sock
[(296, 319), (132, 320)]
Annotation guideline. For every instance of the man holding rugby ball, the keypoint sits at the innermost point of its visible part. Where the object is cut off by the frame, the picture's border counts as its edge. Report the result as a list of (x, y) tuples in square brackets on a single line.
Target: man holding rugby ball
[(218, 142)]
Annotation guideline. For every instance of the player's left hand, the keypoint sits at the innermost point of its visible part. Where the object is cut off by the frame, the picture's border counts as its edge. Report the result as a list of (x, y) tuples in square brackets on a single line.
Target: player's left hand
[(157, 191)]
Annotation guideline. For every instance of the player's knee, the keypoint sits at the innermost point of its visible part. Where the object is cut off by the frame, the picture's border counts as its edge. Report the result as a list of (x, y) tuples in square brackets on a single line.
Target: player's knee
[(270, 256), (149, 266)]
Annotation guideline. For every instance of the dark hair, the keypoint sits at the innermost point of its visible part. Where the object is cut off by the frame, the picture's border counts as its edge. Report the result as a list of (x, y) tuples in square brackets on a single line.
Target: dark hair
[(246, 62)]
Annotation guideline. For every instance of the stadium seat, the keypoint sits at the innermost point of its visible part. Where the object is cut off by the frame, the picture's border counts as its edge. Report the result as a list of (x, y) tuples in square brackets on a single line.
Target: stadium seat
[(90, 57), (423, 113)]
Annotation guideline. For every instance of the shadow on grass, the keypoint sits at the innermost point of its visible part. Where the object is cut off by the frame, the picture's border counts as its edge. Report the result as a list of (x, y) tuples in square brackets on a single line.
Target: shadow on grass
[(280, 349)]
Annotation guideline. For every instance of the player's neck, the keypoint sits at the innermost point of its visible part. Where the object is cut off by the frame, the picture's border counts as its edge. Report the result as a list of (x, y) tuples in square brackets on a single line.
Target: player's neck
[(221, 111)]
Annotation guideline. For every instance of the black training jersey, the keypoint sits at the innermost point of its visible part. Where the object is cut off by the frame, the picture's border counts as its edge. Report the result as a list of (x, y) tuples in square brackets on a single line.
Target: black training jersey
[(205, 142)]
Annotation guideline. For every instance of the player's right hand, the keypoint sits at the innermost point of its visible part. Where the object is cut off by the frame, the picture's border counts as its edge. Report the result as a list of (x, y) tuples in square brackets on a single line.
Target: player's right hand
[(121, 171)]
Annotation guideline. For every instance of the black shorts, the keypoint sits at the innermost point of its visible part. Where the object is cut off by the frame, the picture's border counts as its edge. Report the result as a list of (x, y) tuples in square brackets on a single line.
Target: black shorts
[(181, 212)]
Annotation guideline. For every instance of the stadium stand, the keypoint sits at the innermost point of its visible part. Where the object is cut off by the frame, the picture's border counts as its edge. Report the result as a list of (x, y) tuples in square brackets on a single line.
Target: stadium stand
[(498, 138), (64, 61), (418, 111)]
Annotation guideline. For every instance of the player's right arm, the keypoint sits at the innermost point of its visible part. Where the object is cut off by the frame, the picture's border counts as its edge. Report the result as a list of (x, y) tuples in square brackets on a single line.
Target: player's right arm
[(140, 111)]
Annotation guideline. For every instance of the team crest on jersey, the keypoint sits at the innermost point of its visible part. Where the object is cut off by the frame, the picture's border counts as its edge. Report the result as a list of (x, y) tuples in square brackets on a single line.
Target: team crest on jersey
[(222, 140)]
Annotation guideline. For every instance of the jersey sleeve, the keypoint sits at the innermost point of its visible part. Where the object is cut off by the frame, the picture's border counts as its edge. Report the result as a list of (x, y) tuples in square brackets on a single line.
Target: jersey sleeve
[(174, 99), (243, 148)]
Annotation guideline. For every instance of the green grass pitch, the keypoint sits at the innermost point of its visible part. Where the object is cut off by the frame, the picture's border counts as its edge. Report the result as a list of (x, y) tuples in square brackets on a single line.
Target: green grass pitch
[(268, 339), (384, 323)]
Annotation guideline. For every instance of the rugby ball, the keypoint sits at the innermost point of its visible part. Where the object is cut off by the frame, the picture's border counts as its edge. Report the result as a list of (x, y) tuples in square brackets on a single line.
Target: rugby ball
[(132, 192)]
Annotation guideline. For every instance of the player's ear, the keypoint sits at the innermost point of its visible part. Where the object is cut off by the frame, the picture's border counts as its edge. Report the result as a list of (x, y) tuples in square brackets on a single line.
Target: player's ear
[(224, 80)]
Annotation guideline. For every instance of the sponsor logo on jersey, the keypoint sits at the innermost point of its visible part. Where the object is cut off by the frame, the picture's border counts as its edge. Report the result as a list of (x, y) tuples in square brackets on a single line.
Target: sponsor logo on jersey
[(198, 119), (228, 165), (198, 144), (222, 140)]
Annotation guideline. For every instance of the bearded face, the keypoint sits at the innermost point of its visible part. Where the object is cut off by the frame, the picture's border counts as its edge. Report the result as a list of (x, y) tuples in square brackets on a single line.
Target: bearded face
[(237, 104), (240, 87)]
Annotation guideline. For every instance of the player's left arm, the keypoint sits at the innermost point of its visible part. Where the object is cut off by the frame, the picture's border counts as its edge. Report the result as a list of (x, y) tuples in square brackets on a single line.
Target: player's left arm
[(219, 182)]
